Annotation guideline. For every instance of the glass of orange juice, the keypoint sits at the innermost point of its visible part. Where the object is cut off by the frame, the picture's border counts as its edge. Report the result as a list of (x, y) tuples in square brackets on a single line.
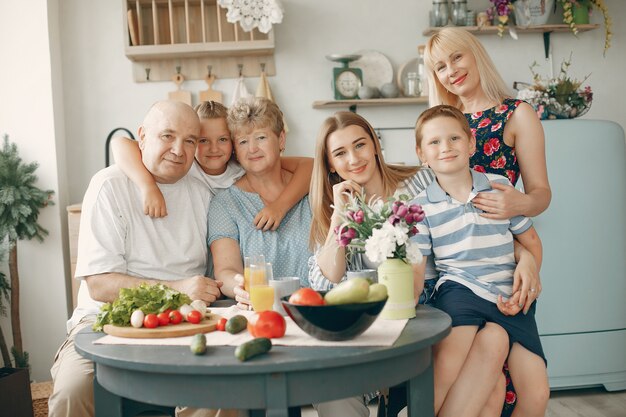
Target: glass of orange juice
[(261, 294), (246, 273)]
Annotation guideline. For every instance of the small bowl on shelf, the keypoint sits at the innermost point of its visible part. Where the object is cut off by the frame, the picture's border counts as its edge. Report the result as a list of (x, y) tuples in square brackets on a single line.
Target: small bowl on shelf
[(334, 322)]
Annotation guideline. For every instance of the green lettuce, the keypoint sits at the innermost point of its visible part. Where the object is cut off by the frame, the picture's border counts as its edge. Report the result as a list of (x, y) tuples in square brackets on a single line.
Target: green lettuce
[(151, 299)]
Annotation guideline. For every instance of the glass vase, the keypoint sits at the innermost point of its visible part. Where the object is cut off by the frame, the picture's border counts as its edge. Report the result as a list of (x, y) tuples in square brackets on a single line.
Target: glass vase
[(397, 276)]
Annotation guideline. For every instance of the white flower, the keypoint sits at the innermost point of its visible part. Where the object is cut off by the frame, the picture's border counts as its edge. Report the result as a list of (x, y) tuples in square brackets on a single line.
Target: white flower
[(413, 253), (401, 232), (381, 244)]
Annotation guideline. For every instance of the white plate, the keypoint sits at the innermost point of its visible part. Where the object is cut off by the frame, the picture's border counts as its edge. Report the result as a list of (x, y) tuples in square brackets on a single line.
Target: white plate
[(408, 66), (377, 69)]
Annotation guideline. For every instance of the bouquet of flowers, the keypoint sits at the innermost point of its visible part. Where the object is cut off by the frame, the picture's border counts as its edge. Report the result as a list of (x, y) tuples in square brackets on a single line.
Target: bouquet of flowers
[(501, 9), (380, 229), (568, 16), (562, 97)]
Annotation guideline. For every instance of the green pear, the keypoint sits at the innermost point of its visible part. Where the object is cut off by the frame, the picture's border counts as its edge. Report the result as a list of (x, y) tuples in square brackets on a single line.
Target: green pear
[(378, 292), (354, 290)]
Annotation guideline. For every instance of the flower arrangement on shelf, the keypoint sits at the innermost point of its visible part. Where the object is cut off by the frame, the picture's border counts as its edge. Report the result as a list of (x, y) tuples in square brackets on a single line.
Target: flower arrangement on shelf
[(562, 97), (502, 9), (381, 229), (568, 16)]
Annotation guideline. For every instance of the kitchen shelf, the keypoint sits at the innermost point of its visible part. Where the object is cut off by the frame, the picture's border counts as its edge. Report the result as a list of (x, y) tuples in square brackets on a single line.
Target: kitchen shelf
[(545, 29), (380, 102), (492, 30), (164, 36)]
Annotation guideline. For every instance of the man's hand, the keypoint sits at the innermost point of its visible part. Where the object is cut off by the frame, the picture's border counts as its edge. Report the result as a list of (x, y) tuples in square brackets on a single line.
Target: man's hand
[(241, 295), (198, 287)]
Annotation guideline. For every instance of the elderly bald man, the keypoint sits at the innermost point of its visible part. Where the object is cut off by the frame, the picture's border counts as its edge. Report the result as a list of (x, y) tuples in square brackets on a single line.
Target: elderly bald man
[(120, 247)]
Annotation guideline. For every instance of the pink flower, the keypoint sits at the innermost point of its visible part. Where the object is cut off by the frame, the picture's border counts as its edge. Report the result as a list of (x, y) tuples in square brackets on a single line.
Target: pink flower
[(484, 123), (479, 168), (496, 127), (510, 397), (477, 115), (498, 163), (402, 211), (502, 109), (359, 216), (412, 231), (511, 175)]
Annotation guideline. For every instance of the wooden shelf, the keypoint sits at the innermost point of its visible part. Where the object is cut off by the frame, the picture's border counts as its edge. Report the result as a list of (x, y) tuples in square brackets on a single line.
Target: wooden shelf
[(323, 104), (491, 30)]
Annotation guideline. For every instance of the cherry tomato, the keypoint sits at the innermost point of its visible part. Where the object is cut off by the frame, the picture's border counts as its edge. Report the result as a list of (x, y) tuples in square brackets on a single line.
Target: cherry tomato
[(268, 324), (306, 297), (151, 321), (194, 317), (164, 318), (175, 317), (221, 324)]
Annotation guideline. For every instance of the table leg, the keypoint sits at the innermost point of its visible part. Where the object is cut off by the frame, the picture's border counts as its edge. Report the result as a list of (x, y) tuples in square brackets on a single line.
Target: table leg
[(106, 404), (421, 394)]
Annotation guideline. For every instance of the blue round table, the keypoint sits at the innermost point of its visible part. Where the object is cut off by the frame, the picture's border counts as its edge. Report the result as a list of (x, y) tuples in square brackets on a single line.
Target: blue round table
[(286, 377)]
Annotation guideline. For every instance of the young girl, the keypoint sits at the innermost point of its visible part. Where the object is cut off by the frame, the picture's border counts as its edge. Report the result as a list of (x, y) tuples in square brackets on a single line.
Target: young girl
[(216, 166), (348, 158)]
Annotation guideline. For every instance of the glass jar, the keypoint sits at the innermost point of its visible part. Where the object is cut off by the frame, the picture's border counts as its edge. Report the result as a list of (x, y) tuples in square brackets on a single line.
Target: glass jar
[(459, 12), (440, 12), (411, 85)]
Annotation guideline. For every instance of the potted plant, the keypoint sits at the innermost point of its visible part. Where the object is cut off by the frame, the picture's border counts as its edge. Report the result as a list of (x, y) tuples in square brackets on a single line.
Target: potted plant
[(20, 202), (576, 12), (562, 97)]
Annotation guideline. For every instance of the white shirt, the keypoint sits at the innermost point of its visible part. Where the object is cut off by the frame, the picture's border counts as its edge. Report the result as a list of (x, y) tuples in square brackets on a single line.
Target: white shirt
[(216, 183), (116, 236)]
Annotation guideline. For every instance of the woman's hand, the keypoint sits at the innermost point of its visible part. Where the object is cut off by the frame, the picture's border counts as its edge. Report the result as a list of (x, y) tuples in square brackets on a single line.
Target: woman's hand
[(269, 217), (340, 190), (509, 202), (241, 295), (154, 203), (526, 280)]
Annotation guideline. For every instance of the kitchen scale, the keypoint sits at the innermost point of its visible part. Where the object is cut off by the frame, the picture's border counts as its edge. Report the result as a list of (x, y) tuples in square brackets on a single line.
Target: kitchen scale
[(346, 80)]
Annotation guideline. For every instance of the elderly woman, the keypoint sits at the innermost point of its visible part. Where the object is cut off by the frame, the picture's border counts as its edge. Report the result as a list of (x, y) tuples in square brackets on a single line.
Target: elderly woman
[(258, 136)]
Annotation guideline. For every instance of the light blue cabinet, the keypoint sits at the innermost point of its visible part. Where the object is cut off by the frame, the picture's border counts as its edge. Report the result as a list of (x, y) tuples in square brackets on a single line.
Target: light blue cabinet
[(582, 311)]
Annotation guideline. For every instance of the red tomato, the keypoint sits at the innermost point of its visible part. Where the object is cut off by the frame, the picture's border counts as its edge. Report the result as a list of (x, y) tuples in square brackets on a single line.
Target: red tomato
[(306, 297), (194, 317), (164, 318), (175, 317), (268, 324), (221, 324), (151, 321)]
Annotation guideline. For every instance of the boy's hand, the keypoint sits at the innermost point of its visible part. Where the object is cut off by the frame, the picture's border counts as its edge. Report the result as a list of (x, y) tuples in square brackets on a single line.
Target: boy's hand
[(511, 307), (154, 203), (269, 218)]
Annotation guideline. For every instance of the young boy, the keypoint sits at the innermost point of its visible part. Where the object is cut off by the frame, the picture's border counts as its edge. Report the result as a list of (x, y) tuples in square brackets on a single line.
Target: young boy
[(475, 260)]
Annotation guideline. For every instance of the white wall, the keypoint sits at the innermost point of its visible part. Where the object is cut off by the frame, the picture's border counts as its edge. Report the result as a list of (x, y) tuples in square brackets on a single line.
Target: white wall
[(99, 93), (27, 115)]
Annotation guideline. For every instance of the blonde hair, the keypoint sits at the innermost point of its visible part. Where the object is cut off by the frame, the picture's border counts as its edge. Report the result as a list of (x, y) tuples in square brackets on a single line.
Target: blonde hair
[(442, 110), (211, 110), (248, 113), (322, 181), (454, 39)]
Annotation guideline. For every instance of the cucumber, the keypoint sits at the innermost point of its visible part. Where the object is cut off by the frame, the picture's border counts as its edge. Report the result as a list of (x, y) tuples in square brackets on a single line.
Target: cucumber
[(253, 348), (236, 324), (198, 344)]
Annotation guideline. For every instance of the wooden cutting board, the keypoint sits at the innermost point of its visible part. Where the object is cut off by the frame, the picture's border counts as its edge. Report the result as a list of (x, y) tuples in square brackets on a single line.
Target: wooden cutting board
[(210, 94), (172, 330), (180, 95), (133, 27)]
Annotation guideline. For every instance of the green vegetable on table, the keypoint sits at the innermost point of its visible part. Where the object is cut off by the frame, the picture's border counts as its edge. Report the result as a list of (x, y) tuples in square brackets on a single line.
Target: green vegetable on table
[(151, 299)]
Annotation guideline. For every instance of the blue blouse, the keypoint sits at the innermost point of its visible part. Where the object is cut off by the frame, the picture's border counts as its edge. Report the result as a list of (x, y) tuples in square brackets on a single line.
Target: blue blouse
[(231, 215)]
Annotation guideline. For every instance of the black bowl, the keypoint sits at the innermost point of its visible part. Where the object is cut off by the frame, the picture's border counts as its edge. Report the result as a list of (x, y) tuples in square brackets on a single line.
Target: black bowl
[(334, 322)]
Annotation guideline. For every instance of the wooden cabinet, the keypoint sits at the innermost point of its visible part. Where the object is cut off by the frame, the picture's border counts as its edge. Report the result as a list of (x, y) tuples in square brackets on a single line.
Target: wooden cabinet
[(161, 35)]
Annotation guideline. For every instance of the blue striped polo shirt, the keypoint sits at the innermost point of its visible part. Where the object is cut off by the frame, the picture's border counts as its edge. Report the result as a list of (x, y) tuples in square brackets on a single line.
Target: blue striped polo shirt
[(469, 249)]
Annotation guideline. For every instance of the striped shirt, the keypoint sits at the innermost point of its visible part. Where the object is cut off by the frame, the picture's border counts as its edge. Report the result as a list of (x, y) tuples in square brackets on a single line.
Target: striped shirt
[(469, 249)]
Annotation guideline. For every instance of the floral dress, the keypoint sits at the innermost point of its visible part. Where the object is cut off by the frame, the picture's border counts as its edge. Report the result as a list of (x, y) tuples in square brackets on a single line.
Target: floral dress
[(494, 156)]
